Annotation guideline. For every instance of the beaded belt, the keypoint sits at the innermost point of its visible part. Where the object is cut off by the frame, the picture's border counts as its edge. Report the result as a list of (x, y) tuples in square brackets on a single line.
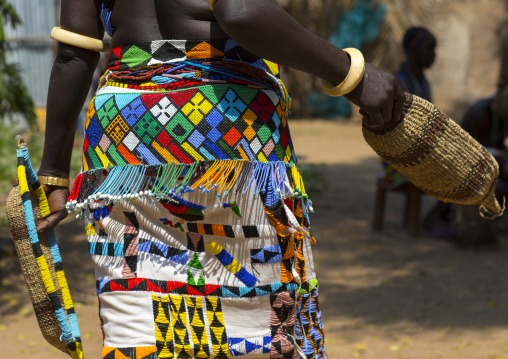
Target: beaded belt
[(191, 104)]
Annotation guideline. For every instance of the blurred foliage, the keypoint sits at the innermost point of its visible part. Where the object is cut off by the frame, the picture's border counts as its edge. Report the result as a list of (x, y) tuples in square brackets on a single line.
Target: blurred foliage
[(14, 96), (15, 105)]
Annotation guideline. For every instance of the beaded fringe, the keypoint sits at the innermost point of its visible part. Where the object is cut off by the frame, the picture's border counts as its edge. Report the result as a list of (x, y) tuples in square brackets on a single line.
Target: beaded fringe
[(226, 179)]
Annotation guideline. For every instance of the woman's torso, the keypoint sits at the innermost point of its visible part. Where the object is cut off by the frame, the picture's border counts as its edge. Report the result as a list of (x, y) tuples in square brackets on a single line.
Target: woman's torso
[(138, 21)]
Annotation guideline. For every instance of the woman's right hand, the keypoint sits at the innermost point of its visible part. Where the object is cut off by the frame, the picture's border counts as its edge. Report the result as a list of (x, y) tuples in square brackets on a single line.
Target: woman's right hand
[(379, 97), (57, 198)]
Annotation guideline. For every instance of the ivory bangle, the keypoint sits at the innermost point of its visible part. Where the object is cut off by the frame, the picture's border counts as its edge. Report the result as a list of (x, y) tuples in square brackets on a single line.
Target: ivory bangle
[(211, 3), (353, 78), (78, 40)]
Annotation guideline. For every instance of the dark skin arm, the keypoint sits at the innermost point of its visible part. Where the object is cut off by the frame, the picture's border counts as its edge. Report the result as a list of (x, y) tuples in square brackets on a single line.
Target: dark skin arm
[(265, 29), (72, 66), (260, 26)]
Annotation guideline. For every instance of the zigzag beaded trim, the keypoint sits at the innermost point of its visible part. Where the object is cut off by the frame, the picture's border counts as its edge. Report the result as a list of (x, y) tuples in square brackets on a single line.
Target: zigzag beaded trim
[(174, 287), (168, 86)]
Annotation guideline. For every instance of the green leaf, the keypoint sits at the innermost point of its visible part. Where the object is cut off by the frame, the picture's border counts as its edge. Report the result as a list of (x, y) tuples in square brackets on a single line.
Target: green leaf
[(14, 95)]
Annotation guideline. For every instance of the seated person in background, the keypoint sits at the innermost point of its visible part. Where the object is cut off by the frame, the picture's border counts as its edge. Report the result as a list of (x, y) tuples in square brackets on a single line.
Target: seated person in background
[(419, 45), (487, 122)]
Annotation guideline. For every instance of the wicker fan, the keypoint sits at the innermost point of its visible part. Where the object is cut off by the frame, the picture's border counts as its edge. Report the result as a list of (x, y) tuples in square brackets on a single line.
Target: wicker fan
[(438, 156)]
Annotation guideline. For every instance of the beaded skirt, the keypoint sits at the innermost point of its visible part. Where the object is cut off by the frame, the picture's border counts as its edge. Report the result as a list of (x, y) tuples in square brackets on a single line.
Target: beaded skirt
[(195, 211)]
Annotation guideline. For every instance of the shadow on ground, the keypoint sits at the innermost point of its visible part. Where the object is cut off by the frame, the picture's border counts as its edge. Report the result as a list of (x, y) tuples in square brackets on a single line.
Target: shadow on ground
[(391, 278)]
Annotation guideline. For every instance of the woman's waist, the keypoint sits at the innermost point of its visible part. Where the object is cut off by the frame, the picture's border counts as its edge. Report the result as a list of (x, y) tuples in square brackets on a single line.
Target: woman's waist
[(187, 101), (201, 123)]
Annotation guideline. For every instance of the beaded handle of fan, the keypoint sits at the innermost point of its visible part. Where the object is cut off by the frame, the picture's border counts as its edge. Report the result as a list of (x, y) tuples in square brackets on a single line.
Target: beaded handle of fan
[(438, 156), (55, 287)]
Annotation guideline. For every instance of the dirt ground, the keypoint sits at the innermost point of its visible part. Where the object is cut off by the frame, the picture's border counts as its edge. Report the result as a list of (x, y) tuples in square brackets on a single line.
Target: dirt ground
[(382, 295)]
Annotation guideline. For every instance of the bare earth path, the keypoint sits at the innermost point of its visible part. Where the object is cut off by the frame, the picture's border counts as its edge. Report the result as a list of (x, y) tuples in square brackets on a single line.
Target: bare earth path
[(382, 295)]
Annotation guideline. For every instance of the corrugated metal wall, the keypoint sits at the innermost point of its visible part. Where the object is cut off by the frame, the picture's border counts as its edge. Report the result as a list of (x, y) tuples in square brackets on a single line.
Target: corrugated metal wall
[(31, 46)]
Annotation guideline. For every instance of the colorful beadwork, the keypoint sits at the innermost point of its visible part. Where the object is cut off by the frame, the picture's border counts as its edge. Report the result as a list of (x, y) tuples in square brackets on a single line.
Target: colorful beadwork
[(130, 245), (224, 230), (195, 302), (212, 122), (231, 264), (271, 254), (244, 346), (169, 51), (173, 287), (196, 248), (223, 112), (200, 336), (309, 328), (218, 332), (130, 353), (282, 321)]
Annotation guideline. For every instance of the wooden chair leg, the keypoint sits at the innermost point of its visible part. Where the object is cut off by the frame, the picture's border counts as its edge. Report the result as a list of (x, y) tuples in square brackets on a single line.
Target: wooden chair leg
[(407, 209), (413, 211), (379, 207)]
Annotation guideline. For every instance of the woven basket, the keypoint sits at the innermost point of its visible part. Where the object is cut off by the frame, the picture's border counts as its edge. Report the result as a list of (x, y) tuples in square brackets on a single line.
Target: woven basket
[(438, 156), (42, 306)]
